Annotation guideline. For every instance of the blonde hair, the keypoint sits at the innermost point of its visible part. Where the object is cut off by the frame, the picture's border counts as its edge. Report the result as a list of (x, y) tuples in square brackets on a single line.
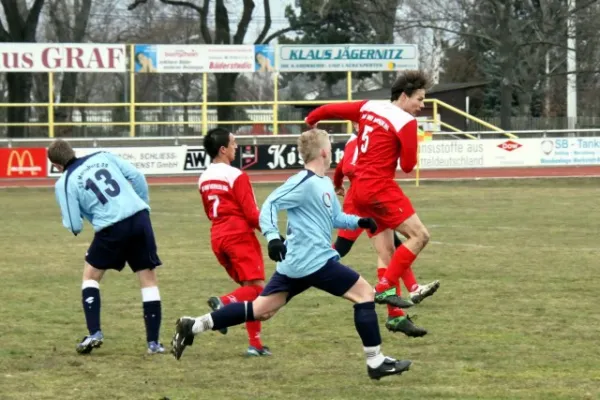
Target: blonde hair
[(60, 152), (310, 144)]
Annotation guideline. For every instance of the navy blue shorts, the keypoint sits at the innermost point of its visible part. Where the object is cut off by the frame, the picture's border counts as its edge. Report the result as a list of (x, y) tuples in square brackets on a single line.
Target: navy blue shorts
[(334, 278), (128, 241)]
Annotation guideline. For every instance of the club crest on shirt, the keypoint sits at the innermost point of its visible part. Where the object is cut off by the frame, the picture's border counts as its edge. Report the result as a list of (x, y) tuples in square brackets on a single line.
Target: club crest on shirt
[(327, 199)]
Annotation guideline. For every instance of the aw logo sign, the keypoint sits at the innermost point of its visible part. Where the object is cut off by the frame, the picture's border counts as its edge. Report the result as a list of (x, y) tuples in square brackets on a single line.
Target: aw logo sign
[(509, 145)]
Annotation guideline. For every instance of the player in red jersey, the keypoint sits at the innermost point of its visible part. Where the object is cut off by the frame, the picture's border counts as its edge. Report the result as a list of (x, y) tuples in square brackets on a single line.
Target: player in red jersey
[(230, 205), (346, 239), (387, 132)]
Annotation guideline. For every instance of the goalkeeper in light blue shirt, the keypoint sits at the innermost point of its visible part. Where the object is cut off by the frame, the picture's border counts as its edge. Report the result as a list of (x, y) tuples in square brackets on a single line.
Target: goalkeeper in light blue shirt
[(306, 259), (113, 196)]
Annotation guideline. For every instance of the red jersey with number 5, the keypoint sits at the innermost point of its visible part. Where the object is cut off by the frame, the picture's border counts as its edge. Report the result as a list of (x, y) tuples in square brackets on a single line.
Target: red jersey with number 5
[(386, 133), (228, 200)]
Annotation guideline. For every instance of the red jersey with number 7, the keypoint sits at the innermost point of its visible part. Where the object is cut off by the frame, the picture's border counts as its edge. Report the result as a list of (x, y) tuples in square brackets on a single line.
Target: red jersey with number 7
[(228, 199), (386, 133)]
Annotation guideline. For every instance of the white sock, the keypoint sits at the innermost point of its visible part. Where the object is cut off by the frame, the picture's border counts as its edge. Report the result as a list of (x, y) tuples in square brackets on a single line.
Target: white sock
[(150, 294), (374, 356), (202, 324)]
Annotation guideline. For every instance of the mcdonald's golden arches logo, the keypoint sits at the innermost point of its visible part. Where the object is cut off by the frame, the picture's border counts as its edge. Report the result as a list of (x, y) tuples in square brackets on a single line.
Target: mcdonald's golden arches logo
[(23, 163)]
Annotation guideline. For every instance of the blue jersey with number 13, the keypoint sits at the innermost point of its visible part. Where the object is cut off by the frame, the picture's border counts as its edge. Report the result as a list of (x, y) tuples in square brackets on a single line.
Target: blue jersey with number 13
[(102, 188)]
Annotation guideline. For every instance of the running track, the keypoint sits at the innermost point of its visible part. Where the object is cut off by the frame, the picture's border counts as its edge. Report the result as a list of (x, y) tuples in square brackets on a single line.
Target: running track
[(446, 174)]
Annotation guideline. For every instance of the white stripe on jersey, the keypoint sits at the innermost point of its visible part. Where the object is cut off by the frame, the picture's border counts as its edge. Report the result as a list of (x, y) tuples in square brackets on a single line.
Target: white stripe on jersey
[(395, 115)]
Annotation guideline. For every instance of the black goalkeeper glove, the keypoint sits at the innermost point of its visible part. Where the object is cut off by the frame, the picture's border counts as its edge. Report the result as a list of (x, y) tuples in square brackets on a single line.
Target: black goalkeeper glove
[(277, 250), (368, 223)]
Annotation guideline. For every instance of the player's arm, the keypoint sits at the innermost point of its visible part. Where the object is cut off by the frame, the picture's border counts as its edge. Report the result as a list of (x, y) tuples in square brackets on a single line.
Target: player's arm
[(133, 175), (69, 208), (342, 220), (348, 111), (285, 197), (409, 142), (338, 176), (244, 194)]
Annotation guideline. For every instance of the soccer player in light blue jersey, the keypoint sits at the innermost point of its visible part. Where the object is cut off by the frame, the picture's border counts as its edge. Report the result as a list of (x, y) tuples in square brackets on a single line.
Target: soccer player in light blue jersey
[(306, 259), (113, 196)]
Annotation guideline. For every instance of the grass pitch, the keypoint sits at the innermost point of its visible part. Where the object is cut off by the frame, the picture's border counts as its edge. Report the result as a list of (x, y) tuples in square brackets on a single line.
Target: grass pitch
[(516, 315)]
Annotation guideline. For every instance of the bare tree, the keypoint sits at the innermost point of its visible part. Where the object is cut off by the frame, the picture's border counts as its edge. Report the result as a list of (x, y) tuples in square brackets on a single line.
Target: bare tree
[(22, 27), (510, 39), (69, 21), (225, 82)]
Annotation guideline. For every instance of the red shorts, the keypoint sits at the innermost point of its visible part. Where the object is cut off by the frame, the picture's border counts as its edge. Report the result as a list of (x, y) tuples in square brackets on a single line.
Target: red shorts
[(383, 201), (241, 255), (349, 208)]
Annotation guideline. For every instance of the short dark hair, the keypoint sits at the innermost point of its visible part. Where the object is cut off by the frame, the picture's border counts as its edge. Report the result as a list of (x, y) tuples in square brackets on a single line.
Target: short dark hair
[(408, 82), (214, 140), (60, 152)]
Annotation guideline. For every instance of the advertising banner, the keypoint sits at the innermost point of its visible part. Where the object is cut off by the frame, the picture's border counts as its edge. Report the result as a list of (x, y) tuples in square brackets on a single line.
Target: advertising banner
[(62, 57), (347, 57), (23, 162), (190, 58), (569, 151), (166, 160), (434, 154)]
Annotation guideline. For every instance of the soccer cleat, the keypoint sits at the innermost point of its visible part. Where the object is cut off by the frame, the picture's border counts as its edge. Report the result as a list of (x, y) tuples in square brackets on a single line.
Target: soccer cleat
[(424, 291), (405, 325), (388, 367), (184, 336), (255, 352), (90, 342), (155, 348), (215, 303), (390, 297)]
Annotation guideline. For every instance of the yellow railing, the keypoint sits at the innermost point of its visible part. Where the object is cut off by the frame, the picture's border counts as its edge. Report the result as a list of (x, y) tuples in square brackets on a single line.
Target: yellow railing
[(132, 105), (204, 106)]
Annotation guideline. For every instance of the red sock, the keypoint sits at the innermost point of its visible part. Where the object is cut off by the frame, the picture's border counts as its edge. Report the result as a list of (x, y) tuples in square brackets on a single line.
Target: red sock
[(393, 312), (380, 273), (410, 282), (247, 293), (401, 261), (253, 328), (243, 293)]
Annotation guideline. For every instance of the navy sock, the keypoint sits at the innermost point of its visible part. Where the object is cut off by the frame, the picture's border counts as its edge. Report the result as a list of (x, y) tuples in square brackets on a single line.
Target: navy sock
[(90, 299), (343, 246), (367, 326), (232, 314), (152, 319)]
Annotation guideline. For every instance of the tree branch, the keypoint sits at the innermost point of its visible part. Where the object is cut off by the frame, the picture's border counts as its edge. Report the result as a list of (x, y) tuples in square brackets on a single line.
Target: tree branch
[(581, 71), (267, 25), (32, 20), (222, 34), (60, 27), (242, 27), (434, 27), (170, 2), (183, 4), (203, 23), (13, 18), (82, 19), (135, 4), (4, 35), (202, 11), (286, 30)]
